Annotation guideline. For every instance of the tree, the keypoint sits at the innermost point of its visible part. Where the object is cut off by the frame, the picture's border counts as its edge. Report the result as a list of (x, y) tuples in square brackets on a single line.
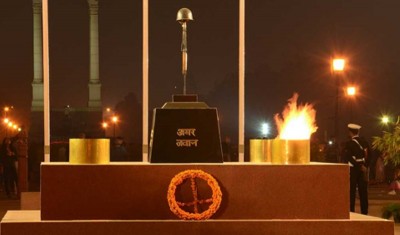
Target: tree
[(389, 144)]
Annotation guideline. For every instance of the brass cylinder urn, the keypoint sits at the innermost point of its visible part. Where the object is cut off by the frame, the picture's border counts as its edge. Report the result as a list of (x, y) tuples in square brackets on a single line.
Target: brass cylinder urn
[(89, 151), (256, 150), (268, 150), (277, 151), (260, 150), (296, 151)]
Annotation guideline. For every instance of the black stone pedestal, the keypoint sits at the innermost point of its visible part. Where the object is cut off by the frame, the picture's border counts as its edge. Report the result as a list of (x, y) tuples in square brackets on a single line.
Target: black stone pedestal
[(185, 132)]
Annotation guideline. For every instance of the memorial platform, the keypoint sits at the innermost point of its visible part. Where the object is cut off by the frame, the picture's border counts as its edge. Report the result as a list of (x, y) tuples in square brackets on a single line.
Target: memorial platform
[(137, 191), (131, 198), (29, 222)]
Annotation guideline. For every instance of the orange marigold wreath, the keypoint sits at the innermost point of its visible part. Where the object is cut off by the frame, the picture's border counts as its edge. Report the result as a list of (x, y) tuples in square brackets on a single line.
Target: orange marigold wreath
[(191, 175)]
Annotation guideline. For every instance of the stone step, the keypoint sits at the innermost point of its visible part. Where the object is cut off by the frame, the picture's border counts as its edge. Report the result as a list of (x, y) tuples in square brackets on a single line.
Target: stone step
[(29, 222)]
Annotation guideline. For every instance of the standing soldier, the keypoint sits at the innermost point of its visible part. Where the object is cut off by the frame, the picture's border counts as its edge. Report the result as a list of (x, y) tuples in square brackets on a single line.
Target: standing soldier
[(356, 154)]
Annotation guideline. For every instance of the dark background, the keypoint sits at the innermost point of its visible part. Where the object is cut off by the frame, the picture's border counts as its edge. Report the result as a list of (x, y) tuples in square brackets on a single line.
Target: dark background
[(289, 45)]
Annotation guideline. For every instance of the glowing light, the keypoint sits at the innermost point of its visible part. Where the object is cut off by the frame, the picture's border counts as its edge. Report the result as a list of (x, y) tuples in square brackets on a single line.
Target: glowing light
[(19, 129), (6, 109), (114, 119), (6, 120), (351, 91), (385, 119), (15, 127), (338, 64), (10, 124), (104, 125), (108, 110), (264, 129), (297, 122)]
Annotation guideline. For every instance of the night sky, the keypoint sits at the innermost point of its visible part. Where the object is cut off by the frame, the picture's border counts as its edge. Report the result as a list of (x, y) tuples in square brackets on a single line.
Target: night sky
[(288, 49)]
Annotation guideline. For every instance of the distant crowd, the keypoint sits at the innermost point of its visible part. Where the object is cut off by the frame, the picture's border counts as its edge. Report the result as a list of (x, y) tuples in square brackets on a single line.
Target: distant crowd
[(14, 165)]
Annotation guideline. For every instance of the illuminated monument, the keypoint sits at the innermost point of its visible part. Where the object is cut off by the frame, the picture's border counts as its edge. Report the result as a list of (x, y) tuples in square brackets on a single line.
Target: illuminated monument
[(94, 80), (185, 130), (37, 84), (249, 198), (68, 121)]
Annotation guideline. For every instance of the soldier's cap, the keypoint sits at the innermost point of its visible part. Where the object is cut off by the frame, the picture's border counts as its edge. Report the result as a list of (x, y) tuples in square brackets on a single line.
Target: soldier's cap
[(354, 126)]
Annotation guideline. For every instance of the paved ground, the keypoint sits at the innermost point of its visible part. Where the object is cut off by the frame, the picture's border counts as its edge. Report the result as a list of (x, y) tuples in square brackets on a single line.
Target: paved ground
[(7, 204), (378, 198)]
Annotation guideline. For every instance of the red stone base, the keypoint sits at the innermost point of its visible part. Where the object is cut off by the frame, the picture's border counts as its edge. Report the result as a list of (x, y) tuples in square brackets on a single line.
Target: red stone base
[(28, 222), (134, 191)]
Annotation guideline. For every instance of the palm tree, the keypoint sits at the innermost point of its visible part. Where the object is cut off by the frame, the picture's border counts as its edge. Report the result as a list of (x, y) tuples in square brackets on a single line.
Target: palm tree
[(389, 144)]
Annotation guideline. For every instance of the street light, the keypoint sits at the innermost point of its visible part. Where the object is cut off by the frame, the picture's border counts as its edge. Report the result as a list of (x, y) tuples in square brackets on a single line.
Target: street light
[(114, 120), (265, 129), (6, 109), (385, 119), (351, 93), (10, 125), (104, 125), (338, 66)]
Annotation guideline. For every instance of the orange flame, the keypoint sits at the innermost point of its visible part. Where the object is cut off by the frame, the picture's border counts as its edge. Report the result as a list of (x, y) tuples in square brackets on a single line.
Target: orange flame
[(298, 122)]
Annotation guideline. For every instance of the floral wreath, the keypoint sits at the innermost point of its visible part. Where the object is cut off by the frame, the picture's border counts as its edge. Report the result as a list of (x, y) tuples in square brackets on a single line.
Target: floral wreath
[(175, 206)]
